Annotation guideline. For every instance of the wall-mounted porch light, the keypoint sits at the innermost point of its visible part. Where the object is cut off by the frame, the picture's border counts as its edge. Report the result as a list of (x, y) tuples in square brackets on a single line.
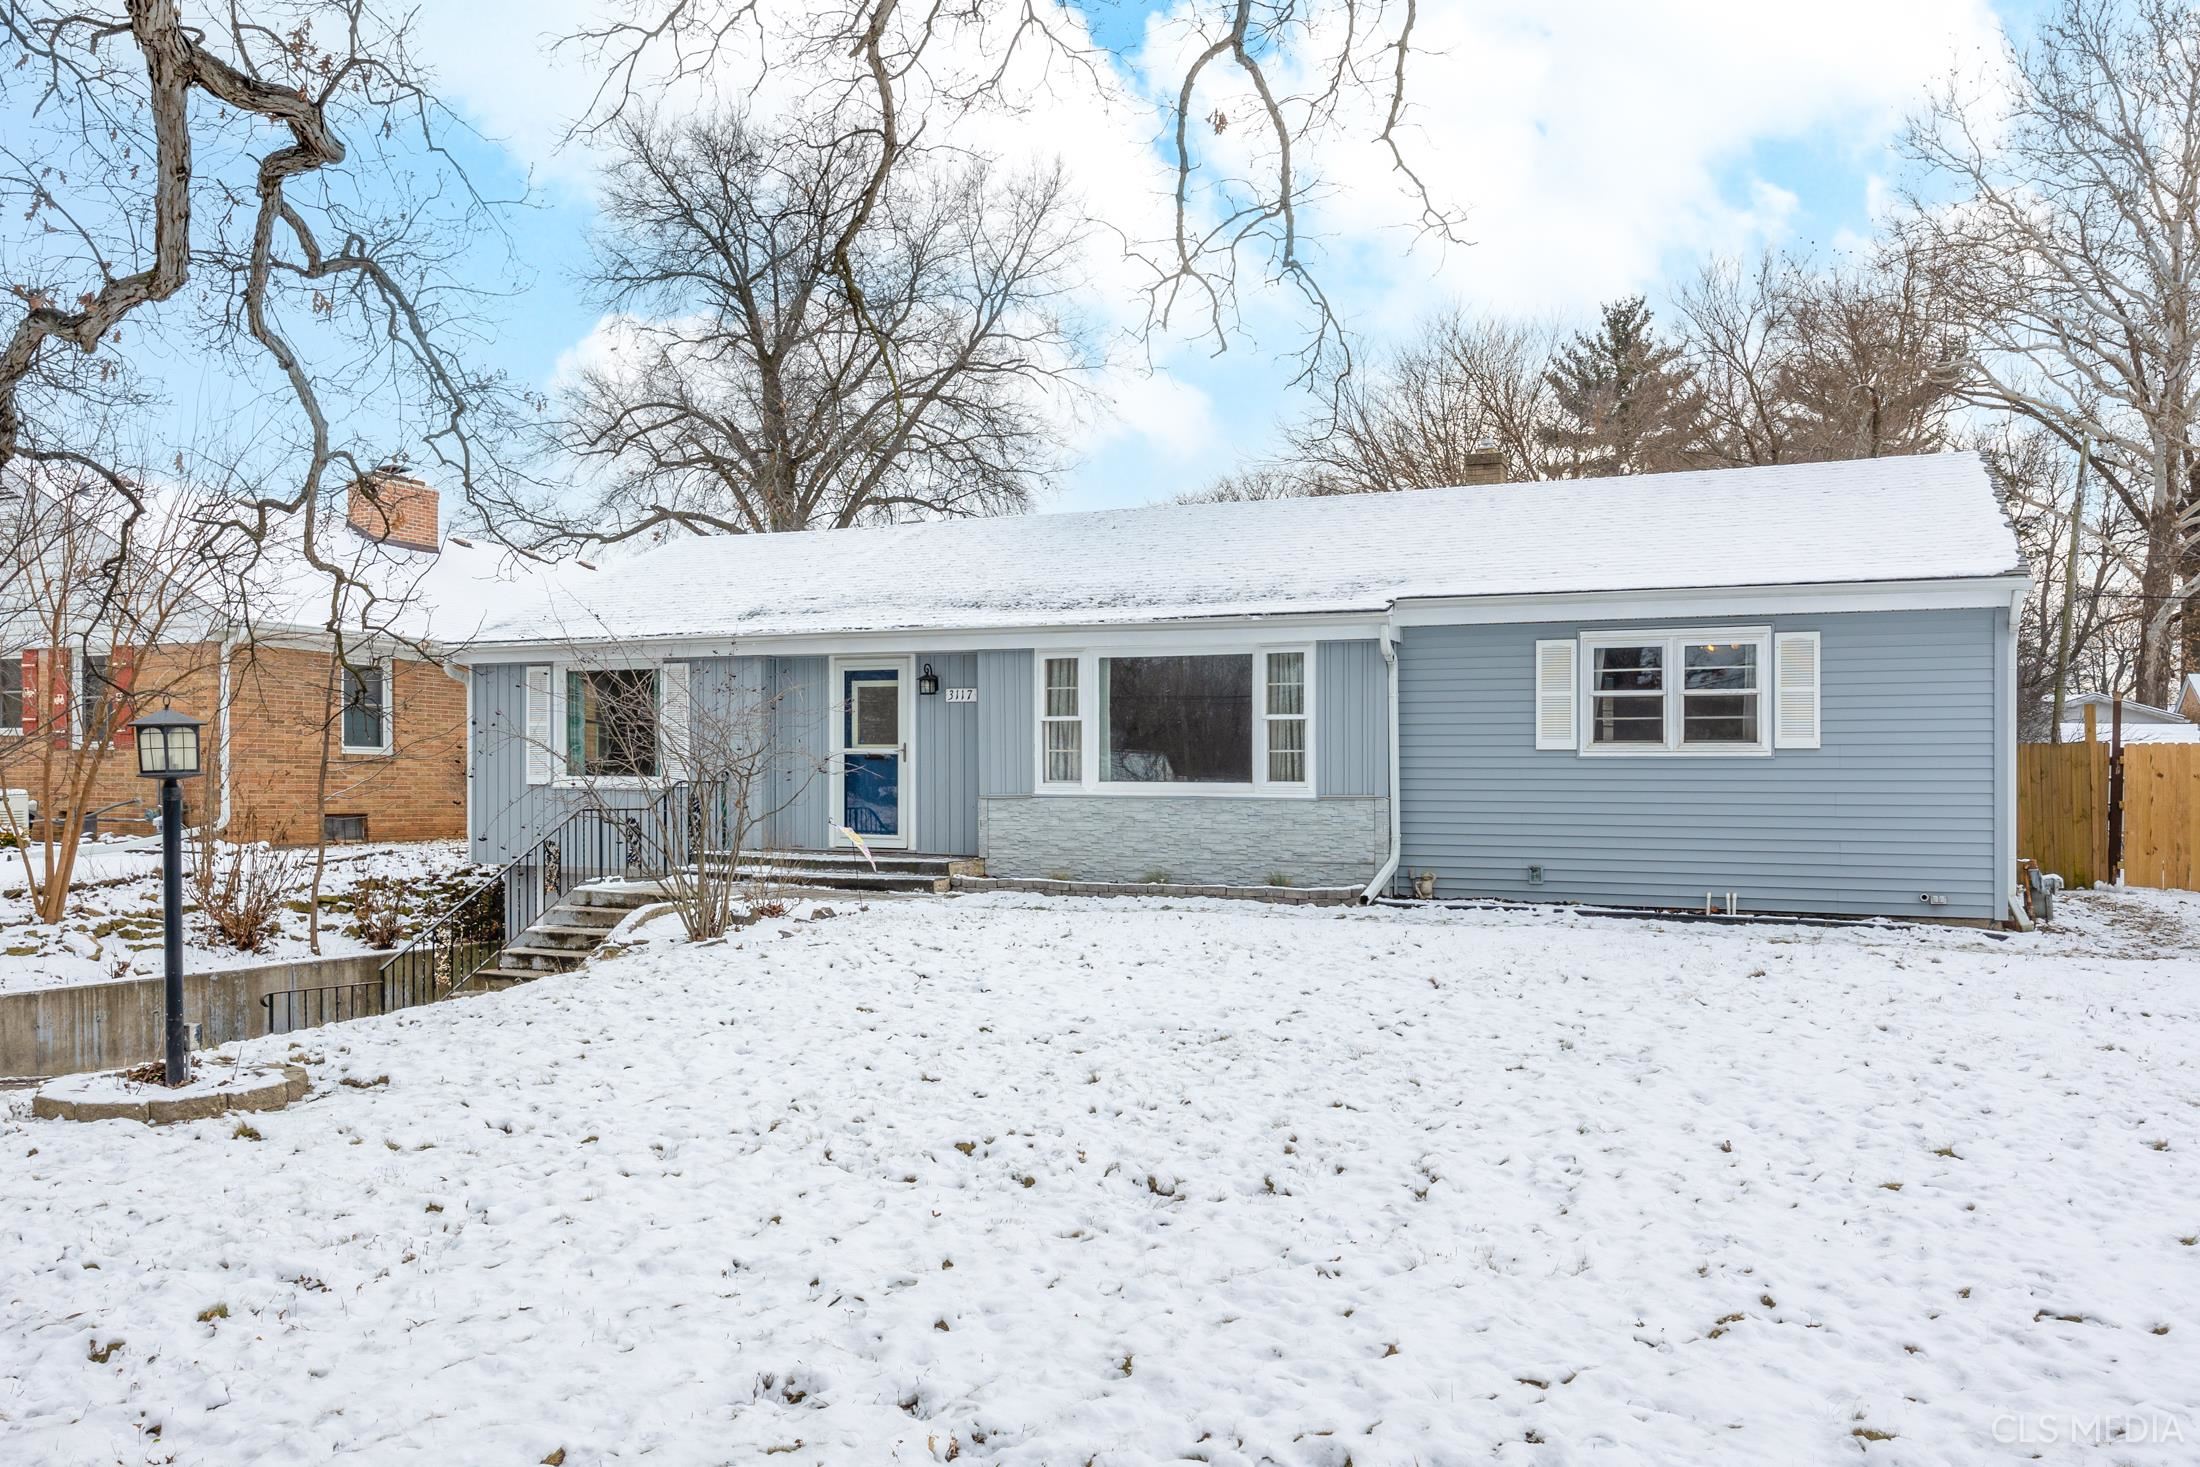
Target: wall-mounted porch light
[(928, 681)]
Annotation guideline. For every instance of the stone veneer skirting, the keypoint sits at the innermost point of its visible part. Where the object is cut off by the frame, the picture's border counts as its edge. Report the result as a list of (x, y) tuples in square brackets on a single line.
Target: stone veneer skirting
[(1199, 839)]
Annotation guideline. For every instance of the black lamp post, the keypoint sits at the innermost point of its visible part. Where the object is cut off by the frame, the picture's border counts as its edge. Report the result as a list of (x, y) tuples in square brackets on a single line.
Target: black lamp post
[(168, 750)]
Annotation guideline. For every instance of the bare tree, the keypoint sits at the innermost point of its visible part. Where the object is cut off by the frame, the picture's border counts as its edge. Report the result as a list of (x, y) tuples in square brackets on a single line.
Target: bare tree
[(1279, 76), (748, 392), (2037, 479), (99, 622), (1801, 364), (2069, 251), (263, 193)]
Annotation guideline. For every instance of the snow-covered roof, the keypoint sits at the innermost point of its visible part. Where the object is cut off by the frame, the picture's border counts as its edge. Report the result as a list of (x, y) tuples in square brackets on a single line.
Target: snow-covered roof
[(2073, 732), (2135, 712), (440, 597), (1892, 519)]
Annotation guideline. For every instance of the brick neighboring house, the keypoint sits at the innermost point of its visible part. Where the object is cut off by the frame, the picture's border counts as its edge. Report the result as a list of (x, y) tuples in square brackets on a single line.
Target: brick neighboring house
[(397, 763)]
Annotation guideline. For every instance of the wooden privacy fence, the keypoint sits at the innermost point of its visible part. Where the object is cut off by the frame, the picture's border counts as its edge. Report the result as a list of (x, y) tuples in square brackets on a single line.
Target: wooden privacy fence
[(2062, 809), (2161, 808), (2063, 812)]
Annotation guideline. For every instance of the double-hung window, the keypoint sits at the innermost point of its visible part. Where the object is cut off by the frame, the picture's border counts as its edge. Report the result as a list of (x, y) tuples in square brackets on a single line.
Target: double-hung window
[(1210, 722), (366, 708), (11, 693), (1689, 692), (1062, 724), (1284, 725)]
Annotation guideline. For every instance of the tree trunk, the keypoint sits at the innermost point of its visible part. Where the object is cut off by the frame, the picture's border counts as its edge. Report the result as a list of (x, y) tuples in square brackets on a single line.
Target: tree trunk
[(2157, 584)]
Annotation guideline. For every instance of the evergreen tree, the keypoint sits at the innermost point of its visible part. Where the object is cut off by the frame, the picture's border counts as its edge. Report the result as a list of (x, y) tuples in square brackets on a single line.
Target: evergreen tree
[(1625, 403)]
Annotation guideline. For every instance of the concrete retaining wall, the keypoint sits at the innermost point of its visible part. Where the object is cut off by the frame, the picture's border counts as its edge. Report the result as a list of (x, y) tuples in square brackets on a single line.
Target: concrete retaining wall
[(100, 1026)]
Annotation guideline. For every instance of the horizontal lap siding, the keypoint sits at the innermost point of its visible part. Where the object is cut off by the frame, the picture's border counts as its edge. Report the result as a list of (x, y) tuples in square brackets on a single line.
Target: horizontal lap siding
[(1899, 801)]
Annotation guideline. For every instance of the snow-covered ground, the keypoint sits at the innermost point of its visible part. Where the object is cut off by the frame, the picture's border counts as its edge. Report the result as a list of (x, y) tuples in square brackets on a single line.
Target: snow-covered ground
[(113, 928), (1024, 1181)]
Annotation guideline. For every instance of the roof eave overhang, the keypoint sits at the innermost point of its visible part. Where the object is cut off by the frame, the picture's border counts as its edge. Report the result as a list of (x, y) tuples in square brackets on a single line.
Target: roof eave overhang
[(1642, 604)]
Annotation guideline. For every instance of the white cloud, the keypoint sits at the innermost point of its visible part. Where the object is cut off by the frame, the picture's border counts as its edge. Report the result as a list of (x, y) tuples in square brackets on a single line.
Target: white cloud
[(1592, 143)]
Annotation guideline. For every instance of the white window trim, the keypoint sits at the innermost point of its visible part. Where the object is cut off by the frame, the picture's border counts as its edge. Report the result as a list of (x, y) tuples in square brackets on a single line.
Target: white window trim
[(565, 779), (1089, 713), (1084, 692), (1674, 639), (837, 783), (389, 686)]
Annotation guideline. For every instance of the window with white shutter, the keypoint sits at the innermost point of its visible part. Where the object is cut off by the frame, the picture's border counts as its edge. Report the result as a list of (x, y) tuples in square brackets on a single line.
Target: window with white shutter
[(1795, 713), (542, 754), (1554, 695)]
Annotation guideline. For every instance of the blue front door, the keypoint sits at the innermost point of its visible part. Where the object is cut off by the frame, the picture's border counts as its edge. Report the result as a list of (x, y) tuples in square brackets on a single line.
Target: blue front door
[(872, 750)]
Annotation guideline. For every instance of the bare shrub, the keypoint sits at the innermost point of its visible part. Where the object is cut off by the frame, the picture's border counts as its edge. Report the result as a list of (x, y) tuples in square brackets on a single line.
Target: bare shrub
[(377, 915), (241, 889)]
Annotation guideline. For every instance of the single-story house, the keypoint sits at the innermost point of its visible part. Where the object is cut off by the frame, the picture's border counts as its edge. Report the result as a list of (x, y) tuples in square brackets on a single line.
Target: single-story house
[(1793, 687)]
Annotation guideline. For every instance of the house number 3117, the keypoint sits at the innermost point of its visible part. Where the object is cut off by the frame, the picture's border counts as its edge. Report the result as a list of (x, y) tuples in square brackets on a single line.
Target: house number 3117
[(962, 695)]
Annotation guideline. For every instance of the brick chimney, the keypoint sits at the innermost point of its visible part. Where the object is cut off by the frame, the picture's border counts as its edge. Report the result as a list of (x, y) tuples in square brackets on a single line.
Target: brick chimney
[(391, 506), (1484, 466)]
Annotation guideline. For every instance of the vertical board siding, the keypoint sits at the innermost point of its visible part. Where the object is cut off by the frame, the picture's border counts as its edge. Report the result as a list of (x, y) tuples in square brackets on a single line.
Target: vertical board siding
[(1352, 720), (946, 804), (1900, 799), (1006, 722), (509, 814), (801, 717)]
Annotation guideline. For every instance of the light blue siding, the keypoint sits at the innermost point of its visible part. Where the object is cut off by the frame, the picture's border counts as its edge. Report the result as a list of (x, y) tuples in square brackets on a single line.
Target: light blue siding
[(736, 697), (1900, 800), (1352, 718), (800, 701), (1007, 718), (947, 759), (509, 814)]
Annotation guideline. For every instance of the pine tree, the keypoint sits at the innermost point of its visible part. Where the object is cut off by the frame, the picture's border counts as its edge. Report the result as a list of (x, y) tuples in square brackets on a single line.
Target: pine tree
[(1625, 403)]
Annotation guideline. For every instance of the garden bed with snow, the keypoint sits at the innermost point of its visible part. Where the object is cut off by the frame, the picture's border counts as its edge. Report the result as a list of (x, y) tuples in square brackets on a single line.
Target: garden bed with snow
[(1013, 1180), (113, 927)]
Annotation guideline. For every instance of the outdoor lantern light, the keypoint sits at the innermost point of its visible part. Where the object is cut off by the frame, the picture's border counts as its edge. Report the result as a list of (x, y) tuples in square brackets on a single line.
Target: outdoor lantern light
[(167, 745), (168, 750), (928, 681)]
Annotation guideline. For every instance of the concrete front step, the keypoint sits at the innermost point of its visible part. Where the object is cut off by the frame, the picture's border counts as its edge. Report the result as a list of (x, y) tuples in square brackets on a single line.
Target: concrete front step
[(918, 863), (844, 879), (563, 938)]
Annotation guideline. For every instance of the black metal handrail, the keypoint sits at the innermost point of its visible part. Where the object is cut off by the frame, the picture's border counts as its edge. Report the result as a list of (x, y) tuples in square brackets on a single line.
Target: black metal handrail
[(307, 1008), (645, 842)]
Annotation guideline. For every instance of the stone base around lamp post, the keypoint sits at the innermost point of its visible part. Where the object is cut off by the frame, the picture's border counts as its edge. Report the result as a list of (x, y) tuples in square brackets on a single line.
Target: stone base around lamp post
[(220, 1086)]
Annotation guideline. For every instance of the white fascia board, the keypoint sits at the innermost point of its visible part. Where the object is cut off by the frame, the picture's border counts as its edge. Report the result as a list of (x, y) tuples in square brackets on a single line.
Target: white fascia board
[(1715, 602), (1186, 634)]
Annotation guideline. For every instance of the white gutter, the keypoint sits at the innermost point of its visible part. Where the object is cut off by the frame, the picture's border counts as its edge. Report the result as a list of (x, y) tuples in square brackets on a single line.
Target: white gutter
[(1389, 868)]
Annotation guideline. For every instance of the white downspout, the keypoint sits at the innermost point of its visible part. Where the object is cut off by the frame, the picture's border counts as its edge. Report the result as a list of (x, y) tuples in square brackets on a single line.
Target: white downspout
[(2006, 848), (1389, 868), (223, 692)]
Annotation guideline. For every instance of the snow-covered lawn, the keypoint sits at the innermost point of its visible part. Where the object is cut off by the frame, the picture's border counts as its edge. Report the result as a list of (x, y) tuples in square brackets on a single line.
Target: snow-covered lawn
[(113, 927), (1051, 1182)]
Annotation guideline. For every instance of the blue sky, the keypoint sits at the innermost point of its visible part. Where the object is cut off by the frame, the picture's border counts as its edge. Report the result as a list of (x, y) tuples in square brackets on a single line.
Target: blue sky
[(1601, 148)]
